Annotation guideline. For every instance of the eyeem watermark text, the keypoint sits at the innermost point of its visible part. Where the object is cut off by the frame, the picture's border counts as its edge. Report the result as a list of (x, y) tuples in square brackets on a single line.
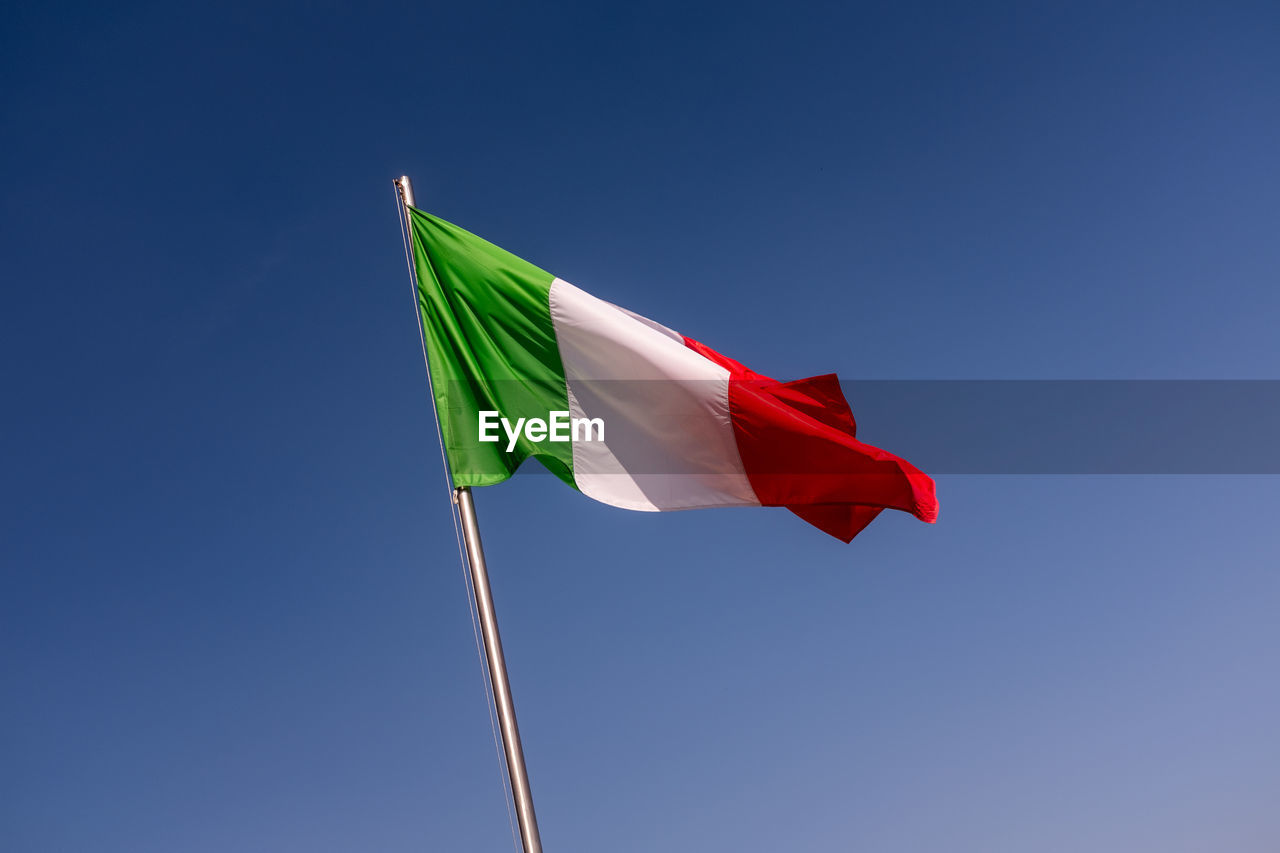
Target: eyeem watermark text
[(558, 426)]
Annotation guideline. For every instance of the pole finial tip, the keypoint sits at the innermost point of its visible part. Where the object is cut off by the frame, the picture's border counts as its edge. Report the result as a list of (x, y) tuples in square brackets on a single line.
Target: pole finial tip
[(406, 190)]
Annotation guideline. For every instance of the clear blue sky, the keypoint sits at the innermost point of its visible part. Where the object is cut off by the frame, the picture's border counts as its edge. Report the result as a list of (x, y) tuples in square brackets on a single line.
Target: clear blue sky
[(232, 616)]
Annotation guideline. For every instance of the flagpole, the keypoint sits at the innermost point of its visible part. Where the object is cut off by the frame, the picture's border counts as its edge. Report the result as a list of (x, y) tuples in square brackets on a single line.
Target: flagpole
[(517, 773)]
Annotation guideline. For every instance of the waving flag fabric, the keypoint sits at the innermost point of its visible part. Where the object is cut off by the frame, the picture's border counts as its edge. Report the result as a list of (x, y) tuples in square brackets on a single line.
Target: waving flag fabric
[(655, 420)]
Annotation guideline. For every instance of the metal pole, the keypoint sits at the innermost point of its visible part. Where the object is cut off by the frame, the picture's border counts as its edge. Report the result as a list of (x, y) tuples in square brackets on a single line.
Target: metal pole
[(516, 770), (517, 773)]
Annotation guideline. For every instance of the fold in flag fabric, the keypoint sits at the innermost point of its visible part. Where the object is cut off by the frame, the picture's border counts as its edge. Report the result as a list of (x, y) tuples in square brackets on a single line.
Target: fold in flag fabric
[(655, 420)]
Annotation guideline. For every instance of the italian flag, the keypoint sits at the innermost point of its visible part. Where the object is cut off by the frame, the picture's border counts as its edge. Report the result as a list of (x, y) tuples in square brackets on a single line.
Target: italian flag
[(659, 421)]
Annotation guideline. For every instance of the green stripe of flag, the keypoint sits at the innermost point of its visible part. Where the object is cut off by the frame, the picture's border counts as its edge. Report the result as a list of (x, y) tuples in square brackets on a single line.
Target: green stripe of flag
[(486, 320)]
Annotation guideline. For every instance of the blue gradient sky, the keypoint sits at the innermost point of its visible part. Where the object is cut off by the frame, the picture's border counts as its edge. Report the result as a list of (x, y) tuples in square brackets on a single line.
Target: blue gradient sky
[(232, 616)]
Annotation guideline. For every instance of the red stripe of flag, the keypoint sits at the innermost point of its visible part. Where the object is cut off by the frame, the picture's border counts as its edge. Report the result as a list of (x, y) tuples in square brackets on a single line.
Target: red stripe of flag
[(799, 448)]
